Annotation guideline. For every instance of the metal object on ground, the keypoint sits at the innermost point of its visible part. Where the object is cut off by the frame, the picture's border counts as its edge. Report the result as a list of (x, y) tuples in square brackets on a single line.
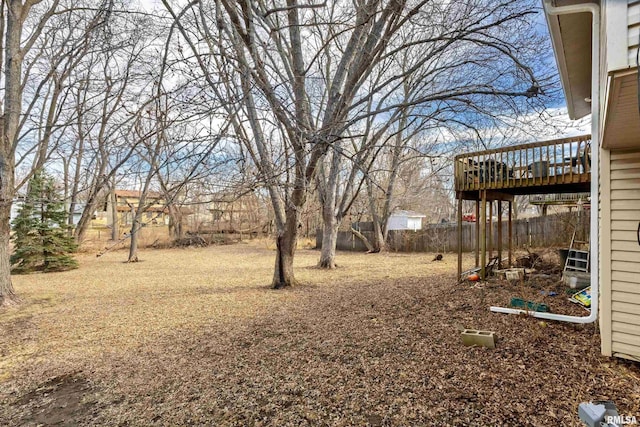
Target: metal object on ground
[(594, 414)]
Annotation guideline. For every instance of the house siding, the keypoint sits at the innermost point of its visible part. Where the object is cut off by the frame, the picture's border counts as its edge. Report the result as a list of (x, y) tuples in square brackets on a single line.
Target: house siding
[(397, 222), (414, 223), (633, 30), (621, 329)]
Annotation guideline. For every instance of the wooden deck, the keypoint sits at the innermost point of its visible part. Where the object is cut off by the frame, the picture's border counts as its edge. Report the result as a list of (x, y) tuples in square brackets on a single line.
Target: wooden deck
[(548, 167)]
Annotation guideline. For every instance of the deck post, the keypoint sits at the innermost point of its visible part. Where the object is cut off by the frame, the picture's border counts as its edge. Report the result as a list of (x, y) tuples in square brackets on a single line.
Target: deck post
[(483, 235), (510, 231), (478, 231), (459, 237), (499, 233), (490, 231)]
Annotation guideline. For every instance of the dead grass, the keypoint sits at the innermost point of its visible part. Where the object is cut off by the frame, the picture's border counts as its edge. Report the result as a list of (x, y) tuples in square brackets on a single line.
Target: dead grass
[(111, 304), (195, 336)]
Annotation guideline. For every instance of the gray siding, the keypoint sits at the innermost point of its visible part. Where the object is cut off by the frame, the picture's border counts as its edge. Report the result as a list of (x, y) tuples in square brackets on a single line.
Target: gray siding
[(633, 30)]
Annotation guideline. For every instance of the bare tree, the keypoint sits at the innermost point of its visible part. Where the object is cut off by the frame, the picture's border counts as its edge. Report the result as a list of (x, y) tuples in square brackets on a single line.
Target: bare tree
[(342, 173), (16, 45), (169, 155), (68, 74), (107, 108), (298, 71), (446, 90)]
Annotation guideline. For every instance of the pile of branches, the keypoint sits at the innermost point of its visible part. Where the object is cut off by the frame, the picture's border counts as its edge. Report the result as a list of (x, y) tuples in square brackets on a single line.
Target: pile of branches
[(190, 241)]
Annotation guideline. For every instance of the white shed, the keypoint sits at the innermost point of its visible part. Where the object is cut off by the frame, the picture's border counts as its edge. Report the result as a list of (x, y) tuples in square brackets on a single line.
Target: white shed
[(405, 220)]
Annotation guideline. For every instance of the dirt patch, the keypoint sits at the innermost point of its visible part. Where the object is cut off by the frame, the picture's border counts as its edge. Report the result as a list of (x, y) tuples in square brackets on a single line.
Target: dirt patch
[(17, 327), (62, 401), (14, 333)]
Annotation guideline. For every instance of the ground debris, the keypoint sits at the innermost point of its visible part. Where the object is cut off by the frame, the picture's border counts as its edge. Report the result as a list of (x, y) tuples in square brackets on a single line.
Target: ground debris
[(364, 345), (191, 240)]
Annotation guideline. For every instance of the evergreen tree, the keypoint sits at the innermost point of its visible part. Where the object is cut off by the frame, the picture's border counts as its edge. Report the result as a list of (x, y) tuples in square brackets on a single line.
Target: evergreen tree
[(41, 239)]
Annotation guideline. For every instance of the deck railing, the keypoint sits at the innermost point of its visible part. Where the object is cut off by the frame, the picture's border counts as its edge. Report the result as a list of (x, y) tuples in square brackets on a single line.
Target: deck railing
[(559, 199), (560, 161)]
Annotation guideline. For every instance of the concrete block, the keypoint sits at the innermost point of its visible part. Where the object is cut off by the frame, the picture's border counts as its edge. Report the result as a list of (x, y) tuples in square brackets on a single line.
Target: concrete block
[(514, 275), (511, 273), (482, 338)]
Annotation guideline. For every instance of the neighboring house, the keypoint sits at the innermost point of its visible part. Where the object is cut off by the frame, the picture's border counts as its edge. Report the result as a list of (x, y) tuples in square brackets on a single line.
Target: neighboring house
[(596, 46), (560, 202), (99, 219), (127, 202), (405, 220)]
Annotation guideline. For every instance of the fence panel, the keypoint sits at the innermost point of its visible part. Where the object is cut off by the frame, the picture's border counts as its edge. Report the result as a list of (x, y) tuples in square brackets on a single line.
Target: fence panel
[(545, 231)]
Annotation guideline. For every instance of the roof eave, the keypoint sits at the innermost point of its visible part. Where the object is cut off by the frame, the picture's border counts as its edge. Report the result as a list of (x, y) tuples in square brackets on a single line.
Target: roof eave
[(556, 41), (574, 89)]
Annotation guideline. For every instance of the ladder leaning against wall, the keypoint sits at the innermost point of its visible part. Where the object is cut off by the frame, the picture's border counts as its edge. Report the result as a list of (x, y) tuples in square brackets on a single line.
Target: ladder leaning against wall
[(578, 256)]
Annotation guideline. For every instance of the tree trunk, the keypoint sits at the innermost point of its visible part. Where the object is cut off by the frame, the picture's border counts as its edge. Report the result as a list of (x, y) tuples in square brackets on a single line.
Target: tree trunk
[(76, 182), (85, 219), (133, 246), (9, 123), (7, 294), (379, 242), (179, 230), (175, 222), (115, 225), (286, 247), (364, 239), (329, 241)]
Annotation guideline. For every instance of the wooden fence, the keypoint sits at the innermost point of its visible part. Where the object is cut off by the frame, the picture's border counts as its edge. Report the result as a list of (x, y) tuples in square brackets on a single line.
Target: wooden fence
[(545, 231)]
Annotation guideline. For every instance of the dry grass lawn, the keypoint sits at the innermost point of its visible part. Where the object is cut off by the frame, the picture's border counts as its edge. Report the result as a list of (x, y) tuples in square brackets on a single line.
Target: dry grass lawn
[(196, 337)]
